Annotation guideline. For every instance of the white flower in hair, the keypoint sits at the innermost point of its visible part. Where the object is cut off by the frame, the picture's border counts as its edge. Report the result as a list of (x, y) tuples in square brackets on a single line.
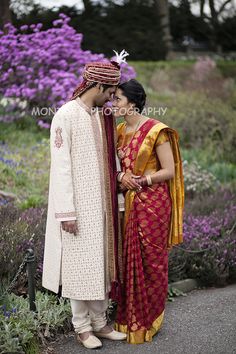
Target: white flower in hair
[(121, 58)]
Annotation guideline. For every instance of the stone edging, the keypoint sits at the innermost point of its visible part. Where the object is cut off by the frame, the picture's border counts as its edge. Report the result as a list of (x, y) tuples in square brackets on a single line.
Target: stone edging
[(185, 285)]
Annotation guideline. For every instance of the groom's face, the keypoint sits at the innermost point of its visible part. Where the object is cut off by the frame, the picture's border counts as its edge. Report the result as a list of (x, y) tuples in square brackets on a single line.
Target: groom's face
[(104, 95)]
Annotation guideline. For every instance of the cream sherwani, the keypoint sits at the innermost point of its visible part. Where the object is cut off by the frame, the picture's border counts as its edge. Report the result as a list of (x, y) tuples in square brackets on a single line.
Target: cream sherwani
[(78, 263)]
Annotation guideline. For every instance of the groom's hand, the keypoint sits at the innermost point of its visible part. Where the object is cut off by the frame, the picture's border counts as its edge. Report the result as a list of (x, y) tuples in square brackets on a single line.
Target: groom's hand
[(70, 226)]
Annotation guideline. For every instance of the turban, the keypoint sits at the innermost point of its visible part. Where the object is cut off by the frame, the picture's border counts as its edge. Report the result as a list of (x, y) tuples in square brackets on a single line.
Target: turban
[(102, 73)]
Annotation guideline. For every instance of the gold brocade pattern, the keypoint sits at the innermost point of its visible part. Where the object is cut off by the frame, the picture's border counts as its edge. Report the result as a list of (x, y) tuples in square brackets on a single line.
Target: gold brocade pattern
[(153, 223), (145, 161), (141, 336)]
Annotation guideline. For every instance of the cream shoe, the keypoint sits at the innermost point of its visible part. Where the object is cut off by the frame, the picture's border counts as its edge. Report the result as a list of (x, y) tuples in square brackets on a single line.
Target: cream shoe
[(91, 342), (113, 335)]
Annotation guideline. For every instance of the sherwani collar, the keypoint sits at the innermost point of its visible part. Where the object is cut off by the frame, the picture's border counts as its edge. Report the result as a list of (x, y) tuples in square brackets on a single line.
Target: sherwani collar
[(84, 106)]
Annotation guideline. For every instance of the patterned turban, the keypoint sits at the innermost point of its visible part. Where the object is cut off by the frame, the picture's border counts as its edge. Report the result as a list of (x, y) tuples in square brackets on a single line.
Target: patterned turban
[(102, 73)]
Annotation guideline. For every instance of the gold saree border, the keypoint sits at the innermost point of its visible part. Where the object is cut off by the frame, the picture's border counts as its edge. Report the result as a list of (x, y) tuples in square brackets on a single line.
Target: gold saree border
[(176, 185), (142, 335)]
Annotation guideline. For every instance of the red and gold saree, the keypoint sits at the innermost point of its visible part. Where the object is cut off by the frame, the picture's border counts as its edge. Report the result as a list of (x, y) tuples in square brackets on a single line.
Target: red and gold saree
[(152, 224)]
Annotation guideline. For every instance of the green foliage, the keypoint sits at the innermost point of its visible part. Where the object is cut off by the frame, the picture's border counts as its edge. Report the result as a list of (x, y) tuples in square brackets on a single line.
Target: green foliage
[(51, 312), (32, 202), (138, 18), (200, 104), (198, 180), (24, 166), (21, 330), (204, 124), (227, 68), (173, 293), (22, 131), (224, 172)]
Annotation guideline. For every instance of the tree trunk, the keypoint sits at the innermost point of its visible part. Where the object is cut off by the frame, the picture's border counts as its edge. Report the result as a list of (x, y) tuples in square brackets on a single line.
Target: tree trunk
[(5, 12), (87, 5), (163, 13), (215, 26), (202, 4)]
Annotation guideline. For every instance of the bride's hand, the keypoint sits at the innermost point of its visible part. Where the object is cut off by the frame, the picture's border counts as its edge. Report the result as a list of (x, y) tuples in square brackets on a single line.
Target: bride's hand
[(128, 181)]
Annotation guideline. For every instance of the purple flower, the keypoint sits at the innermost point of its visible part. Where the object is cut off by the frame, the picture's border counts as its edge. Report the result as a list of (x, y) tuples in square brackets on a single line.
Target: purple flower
[(24, 28), (44, 125), (47, 65)]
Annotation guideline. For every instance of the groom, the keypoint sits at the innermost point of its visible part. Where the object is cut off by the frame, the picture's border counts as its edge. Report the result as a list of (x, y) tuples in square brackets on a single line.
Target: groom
[(81, 240)]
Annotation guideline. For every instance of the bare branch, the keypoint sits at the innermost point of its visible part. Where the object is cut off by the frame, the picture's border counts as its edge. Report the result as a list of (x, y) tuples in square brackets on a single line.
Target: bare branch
[(221, 9)]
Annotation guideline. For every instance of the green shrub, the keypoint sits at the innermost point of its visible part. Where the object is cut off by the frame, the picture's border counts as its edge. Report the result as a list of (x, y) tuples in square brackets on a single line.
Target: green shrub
[(204, 124), (200, 103), (19, 326), (227, 68), (197, 180)]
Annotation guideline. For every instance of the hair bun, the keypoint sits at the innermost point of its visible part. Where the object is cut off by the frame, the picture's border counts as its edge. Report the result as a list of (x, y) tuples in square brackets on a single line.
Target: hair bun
[(135, 93)]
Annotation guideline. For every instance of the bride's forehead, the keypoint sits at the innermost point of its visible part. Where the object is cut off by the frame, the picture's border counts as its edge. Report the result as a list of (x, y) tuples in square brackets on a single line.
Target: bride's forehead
[(119, 93)]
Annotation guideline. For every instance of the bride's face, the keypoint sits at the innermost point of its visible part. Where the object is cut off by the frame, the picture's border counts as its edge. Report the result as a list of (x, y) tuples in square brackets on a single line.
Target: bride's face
[(120, 105)]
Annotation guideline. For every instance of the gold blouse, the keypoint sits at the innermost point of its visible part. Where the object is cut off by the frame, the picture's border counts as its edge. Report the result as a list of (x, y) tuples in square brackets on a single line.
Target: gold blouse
[(153, 164)]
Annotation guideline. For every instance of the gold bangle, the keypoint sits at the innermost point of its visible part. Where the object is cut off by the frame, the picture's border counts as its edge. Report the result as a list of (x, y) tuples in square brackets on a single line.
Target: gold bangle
[(149, 180), (120, 176)]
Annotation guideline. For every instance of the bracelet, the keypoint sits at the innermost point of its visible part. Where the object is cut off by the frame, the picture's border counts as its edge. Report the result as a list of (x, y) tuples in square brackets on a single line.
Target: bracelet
[(120, 176), (149, 180), (142, 181)]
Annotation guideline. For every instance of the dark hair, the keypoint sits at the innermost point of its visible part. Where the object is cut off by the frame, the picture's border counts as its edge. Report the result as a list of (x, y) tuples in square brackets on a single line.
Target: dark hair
[(105, 87), (134, 92)]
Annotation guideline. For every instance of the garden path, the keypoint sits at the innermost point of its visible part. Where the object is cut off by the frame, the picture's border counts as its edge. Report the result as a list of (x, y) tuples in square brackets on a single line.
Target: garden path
[(202, 322)]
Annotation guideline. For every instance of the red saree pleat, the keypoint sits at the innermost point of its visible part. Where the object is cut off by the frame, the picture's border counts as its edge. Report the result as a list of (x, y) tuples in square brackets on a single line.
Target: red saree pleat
[(145, 259)]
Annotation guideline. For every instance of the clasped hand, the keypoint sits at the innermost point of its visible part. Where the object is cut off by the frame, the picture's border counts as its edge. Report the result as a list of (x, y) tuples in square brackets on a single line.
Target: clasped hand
[(129, 182)]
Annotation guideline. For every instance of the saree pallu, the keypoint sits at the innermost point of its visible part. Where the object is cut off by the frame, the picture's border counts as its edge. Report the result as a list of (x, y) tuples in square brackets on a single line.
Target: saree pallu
[(152, 224)]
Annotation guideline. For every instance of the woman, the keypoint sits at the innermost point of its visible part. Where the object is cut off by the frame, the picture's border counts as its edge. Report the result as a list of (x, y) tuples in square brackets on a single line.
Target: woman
[(152, 182)]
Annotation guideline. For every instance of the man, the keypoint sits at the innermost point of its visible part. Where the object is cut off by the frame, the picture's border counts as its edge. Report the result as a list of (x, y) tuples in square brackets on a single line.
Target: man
[(80, 252)]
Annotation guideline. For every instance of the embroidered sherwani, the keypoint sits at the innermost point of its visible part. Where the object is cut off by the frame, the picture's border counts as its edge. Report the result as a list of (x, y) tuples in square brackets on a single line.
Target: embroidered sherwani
[(80, 262)]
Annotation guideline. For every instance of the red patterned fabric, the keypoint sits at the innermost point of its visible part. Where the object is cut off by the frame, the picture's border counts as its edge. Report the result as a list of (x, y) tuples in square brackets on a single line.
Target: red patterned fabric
[(145, 255), (110, 128), (102, 73)]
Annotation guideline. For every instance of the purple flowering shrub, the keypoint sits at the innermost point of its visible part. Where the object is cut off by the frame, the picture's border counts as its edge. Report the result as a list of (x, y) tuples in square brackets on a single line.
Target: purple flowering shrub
[(41, 68), (18, 232), (208, 252)]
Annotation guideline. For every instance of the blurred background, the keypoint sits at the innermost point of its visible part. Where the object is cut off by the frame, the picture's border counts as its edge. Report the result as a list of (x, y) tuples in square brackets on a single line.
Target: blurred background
[(148, 29), (184, 54)]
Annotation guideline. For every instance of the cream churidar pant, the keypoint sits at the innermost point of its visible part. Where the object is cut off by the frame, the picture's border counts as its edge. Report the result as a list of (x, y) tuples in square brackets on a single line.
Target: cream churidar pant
[(89, 315)]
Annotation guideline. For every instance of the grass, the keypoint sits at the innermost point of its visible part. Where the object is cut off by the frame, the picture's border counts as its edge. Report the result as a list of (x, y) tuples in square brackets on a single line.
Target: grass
[(22, 132), (145, 69), (24, 163)]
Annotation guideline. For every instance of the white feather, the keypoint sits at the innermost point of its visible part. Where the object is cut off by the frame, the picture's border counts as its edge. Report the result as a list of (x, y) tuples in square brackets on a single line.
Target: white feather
[(121, 58)]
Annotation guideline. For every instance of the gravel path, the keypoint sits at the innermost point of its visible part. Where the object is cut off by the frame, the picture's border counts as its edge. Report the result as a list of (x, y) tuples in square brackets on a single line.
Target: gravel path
[(203, 322)]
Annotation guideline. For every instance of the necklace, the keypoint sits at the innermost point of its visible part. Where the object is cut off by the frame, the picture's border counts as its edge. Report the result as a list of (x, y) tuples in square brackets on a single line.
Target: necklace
[(121, 151)]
